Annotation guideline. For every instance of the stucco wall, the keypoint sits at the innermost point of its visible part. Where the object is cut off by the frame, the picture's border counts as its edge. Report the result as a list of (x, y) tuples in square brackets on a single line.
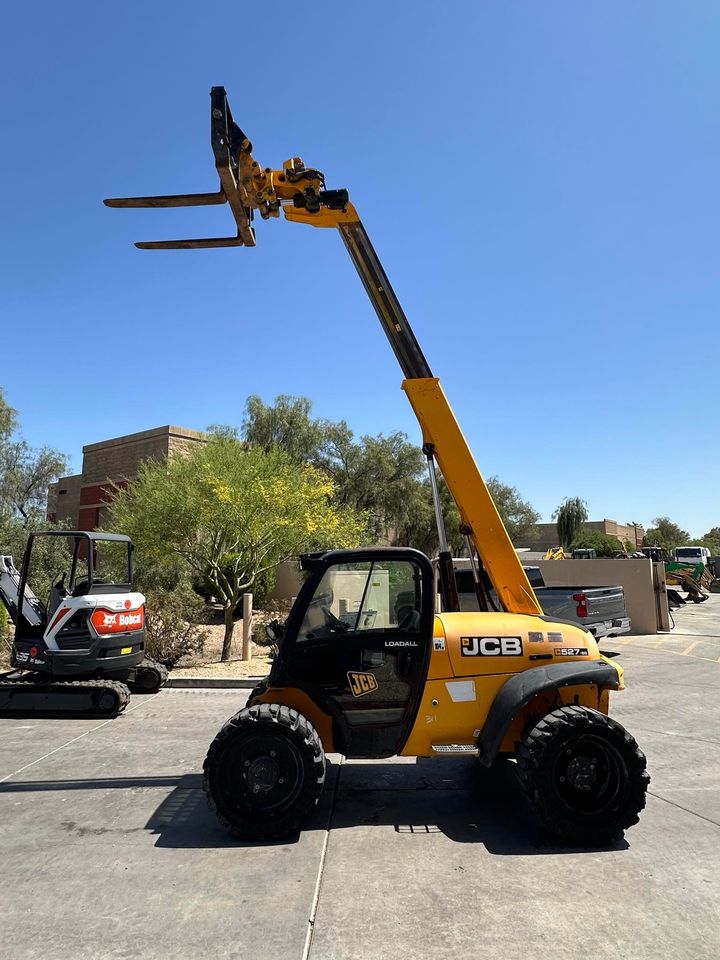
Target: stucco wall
[(64, 505), (288, 581), (635, 576)]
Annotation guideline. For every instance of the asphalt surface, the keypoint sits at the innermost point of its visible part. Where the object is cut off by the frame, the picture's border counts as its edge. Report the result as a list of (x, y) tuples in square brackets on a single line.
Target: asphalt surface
[(109, 851)]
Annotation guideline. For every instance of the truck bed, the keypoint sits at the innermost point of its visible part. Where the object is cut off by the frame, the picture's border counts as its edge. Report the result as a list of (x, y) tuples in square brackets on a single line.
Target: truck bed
[(606, 614)]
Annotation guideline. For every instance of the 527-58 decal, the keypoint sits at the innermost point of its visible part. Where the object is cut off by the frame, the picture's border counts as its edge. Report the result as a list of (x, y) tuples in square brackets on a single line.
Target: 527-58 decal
[(571, 651)]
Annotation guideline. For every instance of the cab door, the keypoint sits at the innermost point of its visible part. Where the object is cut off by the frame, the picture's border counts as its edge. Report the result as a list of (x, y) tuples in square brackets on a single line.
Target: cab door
[(364, 644)]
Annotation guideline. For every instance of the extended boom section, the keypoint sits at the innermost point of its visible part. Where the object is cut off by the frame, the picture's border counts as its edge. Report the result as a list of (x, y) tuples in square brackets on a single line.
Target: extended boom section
[(300, 193), (470, 493)]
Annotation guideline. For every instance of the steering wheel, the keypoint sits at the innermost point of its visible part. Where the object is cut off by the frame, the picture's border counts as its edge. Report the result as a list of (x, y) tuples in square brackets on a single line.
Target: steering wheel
[(334, 624)]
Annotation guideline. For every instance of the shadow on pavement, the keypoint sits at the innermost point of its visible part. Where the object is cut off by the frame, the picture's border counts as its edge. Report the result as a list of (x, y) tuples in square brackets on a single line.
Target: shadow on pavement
[(459, 799)]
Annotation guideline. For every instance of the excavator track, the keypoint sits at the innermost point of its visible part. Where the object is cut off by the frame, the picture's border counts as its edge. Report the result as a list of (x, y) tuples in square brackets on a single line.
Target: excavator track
[(148, 676), (26, 695)]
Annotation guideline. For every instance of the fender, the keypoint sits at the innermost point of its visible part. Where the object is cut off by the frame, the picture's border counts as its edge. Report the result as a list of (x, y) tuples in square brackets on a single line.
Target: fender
[(321, 710), (519, 690)]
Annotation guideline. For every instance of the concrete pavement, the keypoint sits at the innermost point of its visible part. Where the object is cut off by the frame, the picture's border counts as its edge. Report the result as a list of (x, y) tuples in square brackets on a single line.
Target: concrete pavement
[(108, 849)]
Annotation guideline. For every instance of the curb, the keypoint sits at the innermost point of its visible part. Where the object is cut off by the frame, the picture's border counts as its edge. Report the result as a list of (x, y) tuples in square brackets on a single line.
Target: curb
[(238, 683)]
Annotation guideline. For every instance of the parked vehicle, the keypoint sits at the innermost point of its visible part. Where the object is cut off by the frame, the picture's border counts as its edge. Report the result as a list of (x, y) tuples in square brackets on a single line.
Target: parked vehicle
[(601, 610), (692, 555), (656, 554)]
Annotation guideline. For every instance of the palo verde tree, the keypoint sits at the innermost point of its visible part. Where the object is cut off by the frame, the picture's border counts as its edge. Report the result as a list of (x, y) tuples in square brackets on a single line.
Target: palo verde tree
[(231, 513), (569, 518)]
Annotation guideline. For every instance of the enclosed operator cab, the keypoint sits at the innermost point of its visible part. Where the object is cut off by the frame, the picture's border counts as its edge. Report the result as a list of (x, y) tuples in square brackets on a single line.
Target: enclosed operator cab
[(378, 672)]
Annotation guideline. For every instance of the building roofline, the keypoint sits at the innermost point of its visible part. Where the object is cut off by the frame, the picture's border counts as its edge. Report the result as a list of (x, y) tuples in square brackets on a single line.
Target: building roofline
[(168, 430)]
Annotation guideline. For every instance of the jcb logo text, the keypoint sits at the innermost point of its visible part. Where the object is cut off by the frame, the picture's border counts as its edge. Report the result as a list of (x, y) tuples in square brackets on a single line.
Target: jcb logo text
[(491, 646), (362, 683)]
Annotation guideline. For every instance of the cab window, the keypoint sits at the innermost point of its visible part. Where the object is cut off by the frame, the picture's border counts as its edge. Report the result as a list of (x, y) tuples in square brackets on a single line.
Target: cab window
[(365, 596)]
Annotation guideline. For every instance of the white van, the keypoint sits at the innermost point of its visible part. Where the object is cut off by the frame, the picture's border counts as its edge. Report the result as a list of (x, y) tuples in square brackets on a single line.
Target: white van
[(692, 554)]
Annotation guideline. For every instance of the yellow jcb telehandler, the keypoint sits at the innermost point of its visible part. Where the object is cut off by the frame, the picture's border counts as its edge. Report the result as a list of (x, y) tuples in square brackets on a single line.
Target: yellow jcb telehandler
[(366, 666)]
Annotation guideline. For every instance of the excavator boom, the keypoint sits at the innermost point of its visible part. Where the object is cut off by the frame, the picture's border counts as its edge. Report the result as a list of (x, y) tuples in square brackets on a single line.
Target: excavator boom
[(301, 195)]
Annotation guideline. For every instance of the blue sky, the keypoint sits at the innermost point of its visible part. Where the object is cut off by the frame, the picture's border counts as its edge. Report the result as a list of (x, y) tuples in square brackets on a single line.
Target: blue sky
[(540, 180)]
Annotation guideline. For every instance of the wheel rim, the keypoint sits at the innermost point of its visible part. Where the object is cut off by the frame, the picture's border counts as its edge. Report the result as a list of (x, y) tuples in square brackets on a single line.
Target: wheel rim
[(589, 776), (262, 772)]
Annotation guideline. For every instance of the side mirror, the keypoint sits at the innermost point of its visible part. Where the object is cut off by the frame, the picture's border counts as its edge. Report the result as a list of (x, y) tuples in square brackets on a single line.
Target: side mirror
[(274, 630)]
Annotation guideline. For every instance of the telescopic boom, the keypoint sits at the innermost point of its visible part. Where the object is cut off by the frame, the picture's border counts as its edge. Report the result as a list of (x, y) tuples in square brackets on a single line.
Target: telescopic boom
[(301, 195)]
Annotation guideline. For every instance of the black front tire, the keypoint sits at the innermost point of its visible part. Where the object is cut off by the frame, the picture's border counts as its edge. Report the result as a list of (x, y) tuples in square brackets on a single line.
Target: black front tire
[(264, 772), (583, 774)]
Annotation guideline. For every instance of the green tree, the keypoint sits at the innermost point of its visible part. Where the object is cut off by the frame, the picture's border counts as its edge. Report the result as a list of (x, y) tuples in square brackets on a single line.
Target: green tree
[(286, 423), (230, 513), (711, 540), (8, 418), (385, 476), (517, 514), (603, 544), (25, 471), (381, 476), (24, 477), (665, 533), (50, 556), (569, 517)]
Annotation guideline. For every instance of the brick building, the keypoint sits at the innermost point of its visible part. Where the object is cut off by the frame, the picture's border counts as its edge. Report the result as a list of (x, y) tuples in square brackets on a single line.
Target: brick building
[(544, 535), (82, 499)]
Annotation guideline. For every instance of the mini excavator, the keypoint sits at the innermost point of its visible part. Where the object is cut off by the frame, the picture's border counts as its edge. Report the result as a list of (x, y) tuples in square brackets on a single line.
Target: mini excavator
[(81, 652), (366, 665)]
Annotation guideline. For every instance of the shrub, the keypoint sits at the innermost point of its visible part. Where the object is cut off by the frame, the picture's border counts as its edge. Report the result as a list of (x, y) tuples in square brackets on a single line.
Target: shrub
[(172, 625), (3, 622), (604, 544)]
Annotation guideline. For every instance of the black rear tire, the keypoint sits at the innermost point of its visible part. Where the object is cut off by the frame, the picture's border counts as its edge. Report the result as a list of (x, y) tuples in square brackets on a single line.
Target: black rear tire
[(264, 772), (583, 774)]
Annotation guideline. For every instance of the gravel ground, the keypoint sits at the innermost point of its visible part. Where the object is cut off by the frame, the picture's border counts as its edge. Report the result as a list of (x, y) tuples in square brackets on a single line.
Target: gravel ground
[(209, 664)]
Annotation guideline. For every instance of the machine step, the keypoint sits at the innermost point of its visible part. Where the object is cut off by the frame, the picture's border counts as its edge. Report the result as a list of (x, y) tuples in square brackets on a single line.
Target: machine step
[(455, 749)]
